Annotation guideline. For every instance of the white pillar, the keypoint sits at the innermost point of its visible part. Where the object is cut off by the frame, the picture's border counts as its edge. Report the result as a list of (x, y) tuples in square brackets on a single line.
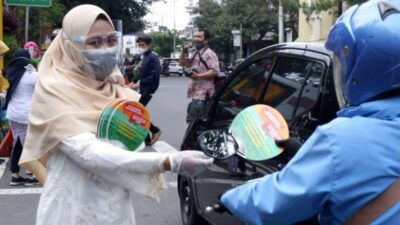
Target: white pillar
[(280, 21)]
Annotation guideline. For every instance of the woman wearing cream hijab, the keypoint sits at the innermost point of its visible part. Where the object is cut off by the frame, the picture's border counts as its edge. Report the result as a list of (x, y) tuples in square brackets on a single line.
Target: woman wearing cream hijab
[(87, 181)]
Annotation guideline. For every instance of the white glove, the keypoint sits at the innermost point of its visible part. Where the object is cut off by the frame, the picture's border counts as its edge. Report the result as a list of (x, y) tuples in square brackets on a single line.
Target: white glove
[(189, 163)]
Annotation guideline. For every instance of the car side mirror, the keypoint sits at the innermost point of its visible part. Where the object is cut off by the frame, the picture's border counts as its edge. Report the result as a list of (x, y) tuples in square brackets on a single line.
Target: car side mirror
[(217, 144)]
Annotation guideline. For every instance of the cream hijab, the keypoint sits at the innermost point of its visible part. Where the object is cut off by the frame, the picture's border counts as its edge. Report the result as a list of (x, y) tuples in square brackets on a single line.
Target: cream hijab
[(66, 101)]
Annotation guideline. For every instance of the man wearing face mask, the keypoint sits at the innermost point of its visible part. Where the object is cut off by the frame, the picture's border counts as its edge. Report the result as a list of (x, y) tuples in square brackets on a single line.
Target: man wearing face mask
[(204, 66), (147, 80)]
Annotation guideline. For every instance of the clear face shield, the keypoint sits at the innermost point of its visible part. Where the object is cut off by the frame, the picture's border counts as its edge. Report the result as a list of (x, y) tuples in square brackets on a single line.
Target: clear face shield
[(101, 53), (97, 41), (338, 80), (119, 29)]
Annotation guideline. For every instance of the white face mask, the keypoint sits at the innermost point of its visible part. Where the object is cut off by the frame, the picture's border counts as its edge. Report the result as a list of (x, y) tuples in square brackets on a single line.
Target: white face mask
[(31, 50), (142, 50), (101, 62)]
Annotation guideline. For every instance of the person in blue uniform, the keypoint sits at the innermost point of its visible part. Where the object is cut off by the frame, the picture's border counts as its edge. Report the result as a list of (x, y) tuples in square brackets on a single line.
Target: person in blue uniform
[(353, 159)]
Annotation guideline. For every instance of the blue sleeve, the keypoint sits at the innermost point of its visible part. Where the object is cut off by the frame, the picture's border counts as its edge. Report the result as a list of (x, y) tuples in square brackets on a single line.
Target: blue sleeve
[(152, 69), (143, 71), (156, 67), (296, 193)]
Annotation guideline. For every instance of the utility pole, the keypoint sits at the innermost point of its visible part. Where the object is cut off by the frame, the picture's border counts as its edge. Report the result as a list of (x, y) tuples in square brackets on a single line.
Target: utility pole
[(174, 29), (280, 20), (26, 23), (241, 41)]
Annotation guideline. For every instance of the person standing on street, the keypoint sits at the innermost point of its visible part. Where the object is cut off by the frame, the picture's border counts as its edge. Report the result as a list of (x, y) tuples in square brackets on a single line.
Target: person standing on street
[(148, 80), (22, 77), (348, 171), (86, 180), (203, 67)]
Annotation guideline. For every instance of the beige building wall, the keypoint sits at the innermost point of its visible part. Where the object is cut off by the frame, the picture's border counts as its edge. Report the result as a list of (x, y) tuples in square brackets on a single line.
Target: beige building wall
[(315, 27)]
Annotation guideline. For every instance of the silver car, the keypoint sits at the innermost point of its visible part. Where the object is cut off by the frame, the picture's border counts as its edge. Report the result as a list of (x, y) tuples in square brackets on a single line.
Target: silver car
[(174, 67)]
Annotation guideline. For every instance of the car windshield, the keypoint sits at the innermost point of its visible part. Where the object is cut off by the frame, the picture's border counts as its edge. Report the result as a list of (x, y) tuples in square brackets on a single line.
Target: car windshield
[(174, 63)]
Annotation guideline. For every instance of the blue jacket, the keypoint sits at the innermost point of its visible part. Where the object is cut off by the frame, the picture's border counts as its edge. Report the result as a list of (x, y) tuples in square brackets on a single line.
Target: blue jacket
[(150, 73), (343, 166)]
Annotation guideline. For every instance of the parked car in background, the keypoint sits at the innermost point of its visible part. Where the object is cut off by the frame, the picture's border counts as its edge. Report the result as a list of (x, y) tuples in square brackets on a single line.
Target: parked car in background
[(175, 68), (294, 78)]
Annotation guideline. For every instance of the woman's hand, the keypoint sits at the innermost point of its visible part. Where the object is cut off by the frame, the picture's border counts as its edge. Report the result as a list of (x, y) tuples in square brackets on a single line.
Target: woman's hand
[(188, 163)]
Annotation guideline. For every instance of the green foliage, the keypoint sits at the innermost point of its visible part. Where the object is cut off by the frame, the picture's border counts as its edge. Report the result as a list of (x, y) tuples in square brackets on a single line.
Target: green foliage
[(44, 20), (13, 45), (322, 5), (53, 16), (129, 11), (162, 43), (41, 21), (257, 17), (13, 24)]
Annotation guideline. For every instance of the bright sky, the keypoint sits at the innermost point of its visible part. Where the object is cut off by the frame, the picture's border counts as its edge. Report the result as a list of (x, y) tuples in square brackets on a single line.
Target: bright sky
[(162, 13)]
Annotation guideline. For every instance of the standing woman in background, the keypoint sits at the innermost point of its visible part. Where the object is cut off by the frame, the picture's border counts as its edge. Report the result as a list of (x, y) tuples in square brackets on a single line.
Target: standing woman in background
[(22, 78)]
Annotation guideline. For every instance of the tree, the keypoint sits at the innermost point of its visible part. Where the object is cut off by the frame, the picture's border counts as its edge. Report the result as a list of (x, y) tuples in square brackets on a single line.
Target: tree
[(53, 15), (257, 17), (211, 19), (162, 43), (41, 22), (44, 20), (131, 12), (322, 5)]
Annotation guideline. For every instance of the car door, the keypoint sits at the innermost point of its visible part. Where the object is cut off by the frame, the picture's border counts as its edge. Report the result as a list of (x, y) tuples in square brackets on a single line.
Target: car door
[(245, 89)]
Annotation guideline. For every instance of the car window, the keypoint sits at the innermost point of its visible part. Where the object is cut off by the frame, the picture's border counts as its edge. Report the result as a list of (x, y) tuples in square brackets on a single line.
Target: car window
[(244, 90), (294, 86), (311, 88)]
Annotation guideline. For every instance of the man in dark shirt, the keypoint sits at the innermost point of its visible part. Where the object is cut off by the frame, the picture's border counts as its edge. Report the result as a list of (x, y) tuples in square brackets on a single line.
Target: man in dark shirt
[(148, 80)]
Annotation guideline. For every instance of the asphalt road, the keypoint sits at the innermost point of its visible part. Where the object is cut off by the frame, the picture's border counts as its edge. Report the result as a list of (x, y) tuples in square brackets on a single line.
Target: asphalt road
[(168, 110)]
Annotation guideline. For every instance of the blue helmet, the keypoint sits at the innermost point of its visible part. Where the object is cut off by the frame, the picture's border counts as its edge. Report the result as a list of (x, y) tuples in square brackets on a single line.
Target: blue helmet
[(366, 44)]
